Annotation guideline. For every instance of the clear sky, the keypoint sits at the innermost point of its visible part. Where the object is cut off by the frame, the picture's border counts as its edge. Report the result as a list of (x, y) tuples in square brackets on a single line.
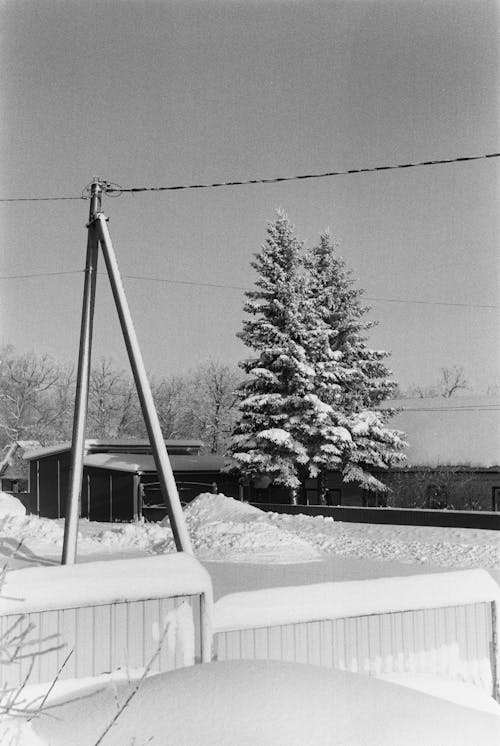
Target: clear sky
[(162, 93)]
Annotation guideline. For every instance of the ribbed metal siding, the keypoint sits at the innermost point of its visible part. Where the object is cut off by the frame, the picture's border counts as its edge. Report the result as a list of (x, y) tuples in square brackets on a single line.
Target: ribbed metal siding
[(453, 642), (102, 638)]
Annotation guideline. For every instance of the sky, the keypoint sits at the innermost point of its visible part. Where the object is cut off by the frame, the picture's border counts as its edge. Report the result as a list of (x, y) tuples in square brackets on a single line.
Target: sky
[(166, 93)]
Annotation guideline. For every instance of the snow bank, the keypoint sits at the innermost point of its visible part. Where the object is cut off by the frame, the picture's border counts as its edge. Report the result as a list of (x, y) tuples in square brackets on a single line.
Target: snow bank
[(207, 508), (222, 527), (10, 505), (277, 606), (260, 703), (106, 582)]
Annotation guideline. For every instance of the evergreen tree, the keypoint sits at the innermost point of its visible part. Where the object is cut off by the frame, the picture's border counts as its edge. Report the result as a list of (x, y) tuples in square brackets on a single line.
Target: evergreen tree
[(263, 441), (309, 404), (350, 377)]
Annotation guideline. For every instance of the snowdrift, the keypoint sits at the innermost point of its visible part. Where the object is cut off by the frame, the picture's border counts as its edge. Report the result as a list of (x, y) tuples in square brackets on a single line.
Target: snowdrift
[(222, 527), (259, 703), (10, 505)]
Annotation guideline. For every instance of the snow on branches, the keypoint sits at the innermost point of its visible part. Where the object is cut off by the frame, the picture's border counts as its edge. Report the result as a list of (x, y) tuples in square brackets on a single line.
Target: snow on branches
[(310, 402)]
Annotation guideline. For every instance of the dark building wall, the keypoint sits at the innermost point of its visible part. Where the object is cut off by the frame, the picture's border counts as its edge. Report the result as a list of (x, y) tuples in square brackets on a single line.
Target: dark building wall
[(443, 487), (109, 495)]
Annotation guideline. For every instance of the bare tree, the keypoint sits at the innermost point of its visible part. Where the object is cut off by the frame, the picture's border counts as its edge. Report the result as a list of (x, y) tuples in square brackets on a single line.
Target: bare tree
[(113, 404), (171, 400), (452, 380), (213, 403), (25, 385)]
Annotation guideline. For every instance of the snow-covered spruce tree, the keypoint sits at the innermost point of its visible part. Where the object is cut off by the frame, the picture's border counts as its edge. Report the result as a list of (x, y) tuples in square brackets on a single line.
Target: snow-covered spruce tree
[(351, 378), (308, 404), (280, 377)]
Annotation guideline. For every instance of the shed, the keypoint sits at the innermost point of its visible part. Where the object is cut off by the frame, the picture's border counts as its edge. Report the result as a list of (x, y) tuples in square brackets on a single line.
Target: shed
[(120, 481)]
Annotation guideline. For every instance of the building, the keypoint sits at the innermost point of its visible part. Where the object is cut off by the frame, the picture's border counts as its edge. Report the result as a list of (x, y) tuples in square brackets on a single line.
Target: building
[(120, 481)]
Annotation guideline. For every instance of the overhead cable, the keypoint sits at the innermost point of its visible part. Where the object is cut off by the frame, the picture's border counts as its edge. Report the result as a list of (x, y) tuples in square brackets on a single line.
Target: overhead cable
[(115, 190), (224, 286)]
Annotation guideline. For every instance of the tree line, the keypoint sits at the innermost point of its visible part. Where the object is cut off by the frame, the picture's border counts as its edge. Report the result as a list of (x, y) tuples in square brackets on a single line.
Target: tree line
[(37, 396)]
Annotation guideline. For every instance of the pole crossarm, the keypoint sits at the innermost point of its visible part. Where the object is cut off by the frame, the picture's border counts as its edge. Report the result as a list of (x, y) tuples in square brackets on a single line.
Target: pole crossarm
[(98, 234)]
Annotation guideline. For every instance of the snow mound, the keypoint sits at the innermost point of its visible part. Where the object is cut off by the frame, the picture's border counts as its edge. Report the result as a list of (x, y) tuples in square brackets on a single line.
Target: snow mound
[(253, 703), (28, 528), (10, 505), (222, 527), (208, 507)]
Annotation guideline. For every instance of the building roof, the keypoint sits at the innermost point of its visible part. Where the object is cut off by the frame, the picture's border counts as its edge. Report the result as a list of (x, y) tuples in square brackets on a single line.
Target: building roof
[(97, 445), (459, 431), (145, 464)]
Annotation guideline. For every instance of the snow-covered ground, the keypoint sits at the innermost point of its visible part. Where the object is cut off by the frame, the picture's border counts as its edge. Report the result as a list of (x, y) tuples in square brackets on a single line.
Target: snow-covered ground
[(225, 530), (261, 703), (245, 549)]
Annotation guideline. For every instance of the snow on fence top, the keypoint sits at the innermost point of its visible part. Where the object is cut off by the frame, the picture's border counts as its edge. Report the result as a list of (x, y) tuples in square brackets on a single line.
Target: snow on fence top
[(307, 603), (104, 582)]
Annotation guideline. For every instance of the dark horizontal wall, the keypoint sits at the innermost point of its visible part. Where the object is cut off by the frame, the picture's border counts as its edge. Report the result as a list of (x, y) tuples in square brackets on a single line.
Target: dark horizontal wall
[(457, 488), (393, 516)]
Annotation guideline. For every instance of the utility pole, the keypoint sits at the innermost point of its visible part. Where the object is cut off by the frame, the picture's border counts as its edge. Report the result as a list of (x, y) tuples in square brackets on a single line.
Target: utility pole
[(82, 382), (98, 234)]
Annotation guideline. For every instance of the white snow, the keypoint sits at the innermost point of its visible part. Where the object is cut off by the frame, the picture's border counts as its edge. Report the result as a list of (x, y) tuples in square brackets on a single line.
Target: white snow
[(460, 692), (225, 530), (10, 505), (275, 435), (234, 701), (260, 703), (105, 582), (277, 606)]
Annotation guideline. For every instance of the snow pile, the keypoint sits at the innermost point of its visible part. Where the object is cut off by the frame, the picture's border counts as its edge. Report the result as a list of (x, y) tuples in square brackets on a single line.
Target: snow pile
[(10, 505), (222, 528), (209, 508), (31, 528), (153, 538), (264, 702)]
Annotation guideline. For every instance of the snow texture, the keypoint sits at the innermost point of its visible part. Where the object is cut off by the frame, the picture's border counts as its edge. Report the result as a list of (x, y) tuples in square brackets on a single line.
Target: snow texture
[(105, 582), (261, 703), (277, 606), (224, 529), (10, 505), (180, 634)]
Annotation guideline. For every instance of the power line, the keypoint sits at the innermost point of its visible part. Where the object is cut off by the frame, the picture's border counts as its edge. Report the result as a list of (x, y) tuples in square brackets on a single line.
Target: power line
[(187, 282), (277, 179), (432, 302), (116, 190), (39, 199), (465, 408), (224, 286), (41, 274)]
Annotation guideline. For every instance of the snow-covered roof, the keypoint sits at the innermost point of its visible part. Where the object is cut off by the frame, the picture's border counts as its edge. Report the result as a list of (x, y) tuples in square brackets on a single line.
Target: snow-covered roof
[(97, 445), (459, 431), (143, 463)]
